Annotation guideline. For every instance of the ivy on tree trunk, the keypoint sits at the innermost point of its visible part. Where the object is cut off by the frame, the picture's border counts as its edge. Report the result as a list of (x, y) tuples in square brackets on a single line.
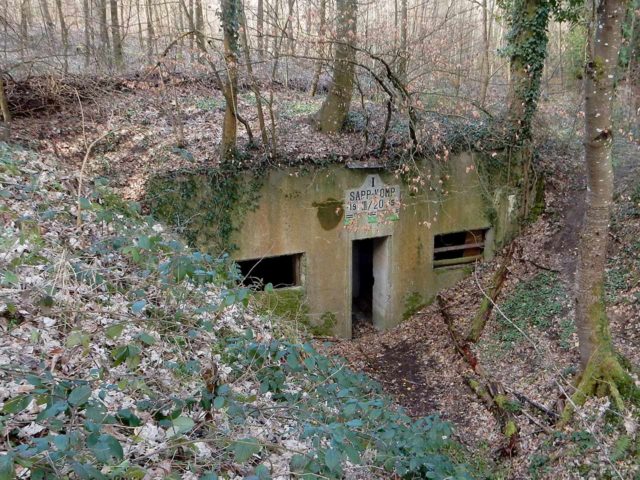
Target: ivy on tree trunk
[(230, 26), (527, 50)]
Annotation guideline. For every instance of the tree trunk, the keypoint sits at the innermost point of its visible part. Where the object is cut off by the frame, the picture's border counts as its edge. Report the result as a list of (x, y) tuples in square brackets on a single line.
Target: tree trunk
[(527, 40), (599, 90), (48, 21), (321, 40), (125, 20), (275, 20), (150, 31), (486, 69), (254, 83), (260, 28), (481, 318), (395, 25), (181, 28), (64, 35), (191, 21), (139, 16), (561, 55), (5, 126), (87, 33), (199, 17), (291, 43), (25, 21), (307, 27), (335, 108), (115, 34), (105, 47), (230, 10), (631, 75), (602, 373), (404, 51)]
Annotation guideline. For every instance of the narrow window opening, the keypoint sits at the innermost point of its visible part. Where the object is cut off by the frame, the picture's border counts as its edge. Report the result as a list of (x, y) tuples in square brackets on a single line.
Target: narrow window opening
[(281, 272), (458, 247)]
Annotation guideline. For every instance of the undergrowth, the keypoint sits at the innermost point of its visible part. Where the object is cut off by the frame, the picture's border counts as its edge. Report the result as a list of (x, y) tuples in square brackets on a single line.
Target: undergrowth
[(126, 354), (533, 305)]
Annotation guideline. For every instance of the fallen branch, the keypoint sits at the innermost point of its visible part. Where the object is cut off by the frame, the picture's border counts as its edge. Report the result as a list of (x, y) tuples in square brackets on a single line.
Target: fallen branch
[(486, 307), (553, 416), (541, 267), (492, 393)]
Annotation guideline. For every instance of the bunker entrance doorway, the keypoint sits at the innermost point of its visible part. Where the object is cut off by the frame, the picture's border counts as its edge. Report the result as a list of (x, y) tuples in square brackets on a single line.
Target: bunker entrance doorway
[(369, 283)]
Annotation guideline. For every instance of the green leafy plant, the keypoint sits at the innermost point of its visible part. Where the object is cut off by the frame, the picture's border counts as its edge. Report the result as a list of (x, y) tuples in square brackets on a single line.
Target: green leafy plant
[(295, 108), (533, 304), (210, 104), (344, 414)]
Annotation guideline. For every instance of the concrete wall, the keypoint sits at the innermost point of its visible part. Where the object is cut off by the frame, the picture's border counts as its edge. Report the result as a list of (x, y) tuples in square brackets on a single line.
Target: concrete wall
[(305, 213), (292, 218)]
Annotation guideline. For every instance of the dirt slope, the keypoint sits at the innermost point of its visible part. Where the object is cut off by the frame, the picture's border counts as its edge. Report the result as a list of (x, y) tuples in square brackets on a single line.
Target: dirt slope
[(418, 363)]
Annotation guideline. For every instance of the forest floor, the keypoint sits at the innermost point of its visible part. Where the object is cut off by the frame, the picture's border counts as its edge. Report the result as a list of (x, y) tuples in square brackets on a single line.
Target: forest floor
[(530, 348), (417, 361)]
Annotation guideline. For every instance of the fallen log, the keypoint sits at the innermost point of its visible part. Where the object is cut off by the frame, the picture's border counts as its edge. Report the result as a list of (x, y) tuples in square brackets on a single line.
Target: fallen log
[(491, 393), (486, 307)]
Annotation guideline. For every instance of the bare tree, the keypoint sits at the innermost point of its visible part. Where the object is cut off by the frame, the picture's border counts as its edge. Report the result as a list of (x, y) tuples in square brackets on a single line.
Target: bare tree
[(291, 41), (321, 42), (403, 58), (64, 35), (48, 21), (150, 31), (25, 21), (485, 69), (116, 35), (254, 83), (199, 16), (335, 108), (105, 47), (260, 28), (88, 46), (602, 370)]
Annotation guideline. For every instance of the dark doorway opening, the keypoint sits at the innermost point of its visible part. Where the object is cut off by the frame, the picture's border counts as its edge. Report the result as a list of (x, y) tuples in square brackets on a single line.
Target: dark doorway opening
[(281, 272), (362, 283), (368, 273)]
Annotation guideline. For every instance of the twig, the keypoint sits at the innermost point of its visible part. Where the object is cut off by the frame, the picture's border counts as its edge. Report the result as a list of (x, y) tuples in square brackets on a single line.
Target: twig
[(533, 403)]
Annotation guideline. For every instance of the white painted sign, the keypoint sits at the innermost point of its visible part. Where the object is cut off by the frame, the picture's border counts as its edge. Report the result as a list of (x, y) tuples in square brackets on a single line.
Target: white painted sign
[(379, 202)]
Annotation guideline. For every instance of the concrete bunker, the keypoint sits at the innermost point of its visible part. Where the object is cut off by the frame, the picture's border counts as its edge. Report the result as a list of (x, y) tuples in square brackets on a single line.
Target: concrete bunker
[(351, 243)]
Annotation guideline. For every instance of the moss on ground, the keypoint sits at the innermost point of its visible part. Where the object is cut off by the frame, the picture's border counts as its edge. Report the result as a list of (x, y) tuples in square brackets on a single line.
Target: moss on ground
[(286, 303), (413, 303)]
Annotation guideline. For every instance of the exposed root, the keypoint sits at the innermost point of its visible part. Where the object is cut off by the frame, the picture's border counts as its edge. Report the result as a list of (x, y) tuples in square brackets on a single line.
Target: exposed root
[(604, 376)]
